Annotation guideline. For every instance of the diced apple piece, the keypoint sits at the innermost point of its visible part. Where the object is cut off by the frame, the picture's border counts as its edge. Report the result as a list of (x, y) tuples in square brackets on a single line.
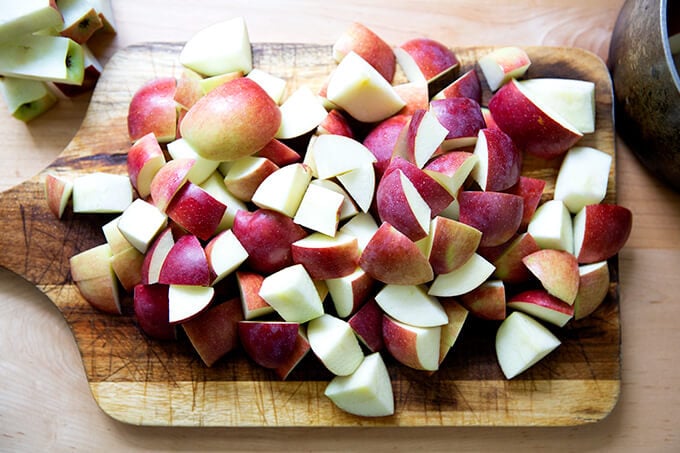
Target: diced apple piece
[(279, 153), (127, 265), (302, 112), (91, 263), (509, 265), (462, 280), (462, 118), (26, 99), (433, 192), (253, 305), (467, 86), (400, 204), (196, 211), (188, 90), (144, 159), (215, 186), (557, 271), (202, 168), (412, 305), (334, 343), (360, 39), (350, 292), (542, 305), (58, 192), (496, 214), (214, 333), (500, 162), (246, 174), (101, 193), (450, 244), (487, 301), (360, 184), (592, 289), (282, 191), (268, 343), (140, 223), (531, 191), (102, 292), (382, 139), (335, 123), (361, 91), (452, 169), (503, 64), (153, 109), (416, 96), (601, 231), (319, 210), (155, 256), (367, 392), (348, 209), (291, 292), (551, 226), (168, 180), (225, 254), (326, 257), (391, 257), (273, 85), (336, 154), (457, 315), (185, 264), (151, 311), (367, 325), (583, 177), (425, 135), (188, 301), (415, 347), (521, 342), (427, 60), (218, 49), (300, 351)]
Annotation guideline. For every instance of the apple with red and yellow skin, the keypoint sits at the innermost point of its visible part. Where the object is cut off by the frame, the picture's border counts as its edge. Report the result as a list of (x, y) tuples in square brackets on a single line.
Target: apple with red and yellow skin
[(253, 305), (463, 119), (427, 60), (186, 264), (424, 137), (496, 214), (127, 265), (382, 139), (557, 271), (225, 254), (214, 333), (246, 174), (600, 231), (234, 120), (435, 195), (465, 86), (196, 211), (267, 237), (457, 315), (416, 96), (400, 204), (367, 325), (58, 193), (500, 162), (415, 347), (145, 157), (391, 257), (168, 180), (487, 301), (502, 64), (279, 153), (542, 305), (153, 109), (102, 293), (531, 190), (335, 123), (593, 288), (268, 343), (508, 260), (300, 351), (367, 44), (451, 244), (531, 128), (327, 257), (350, 292), (150, 304), (188, 90), (155, 255), (283, 189), (452, 169)]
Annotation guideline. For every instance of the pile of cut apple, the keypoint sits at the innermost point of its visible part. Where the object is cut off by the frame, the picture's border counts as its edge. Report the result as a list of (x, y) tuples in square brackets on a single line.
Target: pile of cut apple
[(362, 245), (44, 53)]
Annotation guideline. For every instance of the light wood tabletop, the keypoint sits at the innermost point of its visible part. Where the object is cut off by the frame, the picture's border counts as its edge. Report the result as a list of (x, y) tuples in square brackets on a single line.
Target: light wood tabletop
[(45, 401)]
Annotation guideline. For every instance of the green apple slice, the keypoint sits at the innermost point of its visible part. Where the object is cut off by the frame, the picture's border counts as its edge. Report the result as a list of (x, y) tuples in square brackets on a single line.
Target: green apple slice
[(46, 58), (23, 17), (26, 99)]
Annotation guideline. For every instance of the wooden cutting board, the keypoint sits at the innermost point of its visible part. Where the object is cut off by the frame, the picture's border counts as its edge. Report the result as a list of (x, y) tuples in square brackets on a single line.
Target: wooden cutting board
[(140, 381)]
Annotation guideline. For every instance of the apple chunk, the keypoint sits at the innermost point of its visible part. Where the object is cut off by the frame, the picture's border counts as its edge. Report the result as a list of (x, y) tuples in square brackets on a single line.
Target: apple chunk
[(521, 342), (153, 110), (497, 215), (334, 343), (151, 311), (542, 305), (101, 193), (214, 333), (583, 177), (225, 254), (58, 192), (367, 392), (601, 231), (140, 223), (557, 271), (327, 257), (415, 347), (412, 305), (503, 64), (592, 289), (268, 343), (188, 301), (367, 325), (462, 280), (291, 292), (401, 205), (360, 39)]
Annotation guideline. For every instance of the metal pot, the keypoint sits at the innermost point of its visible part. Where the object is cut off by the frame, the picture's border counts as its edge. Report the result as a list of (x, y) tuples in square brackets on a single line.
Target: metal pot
[(647, 85)]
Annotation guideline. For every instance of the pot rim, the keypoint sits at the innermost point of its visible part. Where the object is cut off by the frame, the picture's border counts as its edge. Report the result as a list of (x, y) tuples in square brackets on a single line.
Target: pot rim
[(663, 22)]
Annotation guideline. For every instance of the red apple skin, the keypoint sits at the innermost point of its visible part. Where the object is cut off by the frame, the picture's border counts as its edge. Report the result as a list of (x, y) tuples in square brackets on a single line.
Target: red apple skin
[(400, 343), (143, 151), (214, 333), (234, 120), (504, 161), (369, 46), (393, 206), (146, 264), (54, 189), (186, 264), (168, 180), (486, 302), (196, 210), (448, 163), (593, 288), (367, 324), (557, 271), (461, 116), (607, 228), (542, 298), (153, 109), (432, 57), (245, 186), (279, 153), (382, 139), (530, 128), (496, 214), (151, 311), (434, 194), (465, 86), (453, 243), (508, 260), (300, 350), (331, 262), (267, 236), (268, 343), (391, 257), (531, 190), (335, 123), (415, 95), (249, 284)]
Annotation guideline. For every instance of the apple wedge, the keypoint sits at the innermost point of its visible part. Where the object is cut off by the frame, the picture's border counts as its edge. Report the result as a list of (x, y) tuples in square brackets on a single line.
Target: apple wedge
[(427, 60), (185, 302), (400, 204), (583, 177), (592, 289), (411, 305), (291, 292), (101, 193), (531, 191), (466, 85), (145, 157), (462, 118), (501, 65), (487, 301), (500, 162), (153, 109), (497, 215), (140, 223), (300, 350), (601, 231), (150, 303), (225, 254), (327, 257), (195, 210), (542, 305), (457, 315), (450, 244), (425, 135), (282, 190), (268, 343), (155, 256), (415, 347), (185, 264), (521, 342), (301, 113), (367, 392), (462, 280), (333, 341), (202, 168), (58, 192), (551, 226), (214, 333), (319, 210), (368, 45), (557, 271)]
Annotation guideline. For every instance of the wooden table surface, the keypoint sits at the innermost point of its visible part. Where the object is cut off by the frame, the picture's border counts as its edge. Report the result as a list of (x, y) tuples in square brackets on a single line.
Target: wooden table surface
[(45, 401)]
